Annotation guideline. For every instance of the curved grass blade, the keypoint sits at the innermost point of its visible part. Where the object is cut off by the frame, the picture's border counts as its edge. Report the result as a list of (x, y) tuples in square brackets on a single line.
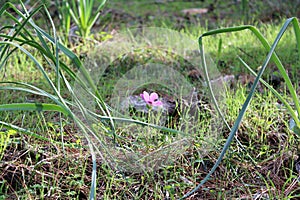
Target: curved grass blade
[(93, 19), (33, 107)]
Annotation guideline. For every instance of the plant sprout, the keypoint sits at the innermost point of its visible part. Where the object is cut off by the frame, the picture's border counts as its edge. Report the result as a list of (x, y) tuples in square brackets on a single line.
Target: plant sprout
[(81, 12)]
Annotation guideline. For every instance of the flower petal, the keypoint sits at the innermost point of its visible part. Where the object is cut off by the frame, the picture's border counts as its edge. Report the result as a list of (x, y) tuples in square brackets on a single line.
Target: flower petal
[(145, 96), (157, 103), (153, 96)]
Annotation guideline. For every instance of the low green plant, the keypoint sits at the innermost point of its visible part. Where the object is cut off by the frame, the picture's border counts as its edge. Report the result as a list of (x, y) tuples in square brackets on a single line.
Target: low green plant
[(83, 14)]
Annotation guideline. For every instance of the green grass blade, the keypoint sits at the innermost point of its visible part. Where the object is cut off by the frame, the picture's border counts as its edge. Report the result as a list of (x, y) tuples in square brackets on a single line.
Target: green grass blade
[(30, 89), (297, 32), (33, 107), (94, 179), (210, 90), (93, 19), (45, 94), (82, 13), (282, 70), (56, 61), (100, 7)]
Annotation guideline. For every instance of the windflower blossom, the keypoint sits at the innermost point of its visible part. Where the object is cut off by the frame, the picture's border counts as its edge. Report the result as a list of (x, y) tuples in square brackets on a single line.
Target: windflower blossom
[(151, 99)]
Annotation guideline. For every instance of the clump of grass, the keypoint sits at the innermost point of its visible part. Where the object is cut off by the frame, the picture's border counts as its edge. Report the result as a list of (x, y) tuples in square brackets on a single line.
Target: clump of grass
[(81, 13)]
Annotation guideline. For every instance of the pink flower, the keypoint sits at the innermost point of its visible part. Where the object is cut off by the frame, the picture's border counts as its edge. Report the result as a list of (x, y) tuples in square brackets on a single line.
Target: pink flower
[(151, 99)]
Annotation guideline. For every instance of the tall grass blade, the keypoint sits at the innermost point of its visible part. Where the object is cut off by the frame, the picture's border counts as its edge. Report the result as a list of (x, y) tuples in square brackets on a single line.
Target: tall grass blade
[(33, 107)]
